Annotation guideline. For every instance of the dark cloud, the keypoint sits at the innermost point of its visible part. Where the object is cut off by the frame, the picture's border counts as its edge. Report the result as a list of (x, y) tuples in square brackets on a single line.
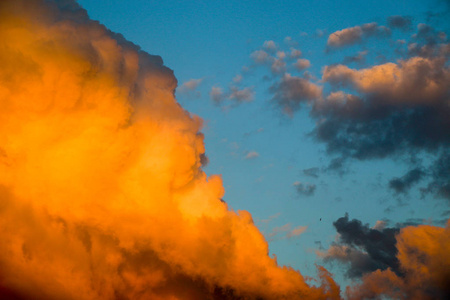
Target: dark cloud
[(305, 189), (404, 183), (290, 91), (397, 109), (365, 249), (400, 22)]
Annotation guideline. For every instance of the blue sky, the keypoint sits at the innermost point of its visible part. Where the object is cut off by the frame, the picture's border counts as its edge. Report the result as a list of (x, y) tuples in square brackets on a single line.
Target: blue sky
[(271, 163)]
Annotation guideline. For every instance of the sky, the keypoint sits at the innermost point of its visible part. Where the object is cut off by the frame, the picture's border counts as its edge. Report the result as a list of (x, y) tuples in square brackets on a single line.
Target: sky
[(225, 149)]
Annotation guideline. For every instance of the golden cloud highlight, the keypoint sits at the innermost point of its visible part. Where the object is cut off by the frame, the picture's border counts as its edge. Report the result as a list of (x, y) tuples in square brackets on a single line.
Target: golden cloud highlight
[(101, 188)]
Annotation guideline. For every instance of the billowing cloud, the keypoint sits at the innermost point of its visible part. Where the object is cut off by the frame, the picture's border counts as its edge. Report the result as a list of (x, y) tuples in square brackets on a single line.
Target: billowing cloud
[(354, 35), (397, 108), (101, 187), (424, 262), (251, 155), (365, 249), (400, 263)]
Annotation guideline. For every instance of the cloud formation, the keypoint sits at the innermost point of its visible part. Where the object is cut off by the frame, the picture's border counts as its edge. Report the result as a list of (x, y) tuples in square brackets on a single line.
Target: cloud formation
[(365, 249), (304, 189), (397, 108), (291, 91), (423, 256), (353, 35), (190, 87), (103, 195), (401, 263)]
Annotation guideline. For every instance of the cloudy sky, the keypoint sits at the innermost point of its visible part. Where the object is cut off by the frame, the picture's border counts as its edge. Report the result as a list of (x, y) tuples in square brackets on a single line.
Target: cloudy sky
[(327, 122)]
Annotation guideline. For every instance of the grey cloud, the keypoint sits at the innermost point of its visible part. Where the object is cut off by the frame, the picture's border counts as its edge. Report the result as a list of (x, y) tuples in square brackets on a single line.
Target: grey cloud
[(404, 183), (305, 189), (290, 91), (365, 249), (400, 22), (312, 172)]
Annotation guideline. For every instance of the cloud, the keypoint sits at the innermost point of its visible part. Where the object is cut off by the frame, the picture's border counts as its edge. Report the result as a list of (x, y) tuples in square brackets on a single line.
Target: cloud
[(313, 172), (252, 155), (396, 109), (189, 87), (302, 64), (291, 91), (358, 58), (403, 184), (103, 192), (216, 94), (354, 35), (286, 232), (270, 46), (295, 53), (304, 189), (365, 249), (260, 56), (400, 22), (423, 256), (236, 94)]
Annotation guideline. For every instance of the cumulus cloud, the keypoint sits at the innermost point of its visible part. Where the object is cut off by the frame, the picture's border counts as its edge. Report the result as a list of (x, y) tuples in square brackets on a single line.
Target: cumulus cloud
[(291, 91), (364, 249), (396, 108), (354, 35), (270, 46), (302, 64), (304, 189), (400, 263), (103, 195), (423, 258)]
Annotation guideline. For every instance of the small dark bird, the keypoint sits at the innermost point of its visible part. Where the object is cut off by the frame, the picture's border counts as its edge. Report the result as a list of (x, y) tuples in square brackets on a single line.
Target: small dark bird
[(320, 219)]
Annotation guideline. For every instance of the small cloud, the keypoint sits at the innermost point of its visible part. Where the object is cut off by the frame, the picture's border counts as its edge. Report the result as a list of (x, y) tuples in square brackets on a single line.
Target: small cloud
[(302, 64), (295, 53), (305, 189), (312, 172), (189, 87), (252, 155), (216, 94), (260, 56), (400, 22), (270, 46), (241, 95), (237, 78), (296, 231)]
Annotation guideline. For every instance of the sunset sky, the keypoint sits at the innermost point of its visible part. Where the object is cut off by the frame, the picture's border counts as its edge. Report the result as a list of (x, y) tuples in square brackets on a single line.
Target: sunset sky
[(327, 123)]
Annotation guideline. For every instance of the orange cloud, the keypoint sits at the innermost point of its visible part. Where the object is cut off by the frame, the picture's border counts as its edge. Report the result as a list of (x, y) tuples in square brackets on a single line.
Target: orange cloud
[(101, 187), (423, 252)]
